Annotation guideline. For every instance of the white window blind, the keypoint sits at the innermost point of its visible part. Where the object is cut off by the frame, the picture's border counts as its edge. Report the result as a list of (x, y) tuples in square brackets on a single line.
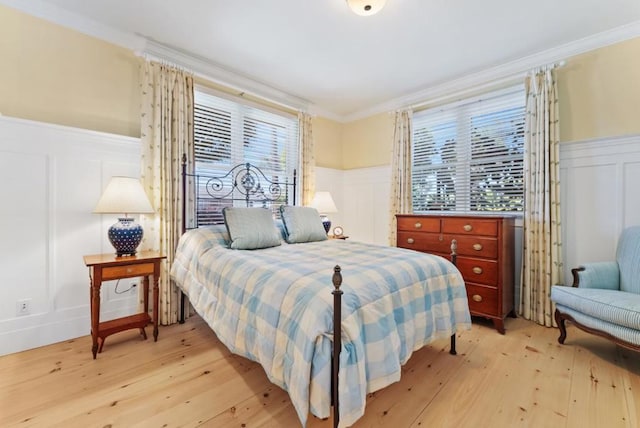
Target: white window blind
[(468, 156), (228, 133)]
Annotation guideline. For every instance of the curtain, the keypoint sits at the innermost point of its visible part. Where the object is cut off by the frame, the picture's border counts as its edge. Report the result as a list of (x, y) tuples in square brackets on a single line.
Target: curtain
[(167, 135), (542, 254), (308, 159), (401, 198)]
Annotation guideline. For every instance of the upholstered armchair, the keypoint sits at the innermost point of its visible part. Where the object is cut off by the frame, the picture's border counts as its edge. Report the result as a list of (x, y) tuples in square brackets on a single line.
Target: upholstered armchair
[(605, 296)]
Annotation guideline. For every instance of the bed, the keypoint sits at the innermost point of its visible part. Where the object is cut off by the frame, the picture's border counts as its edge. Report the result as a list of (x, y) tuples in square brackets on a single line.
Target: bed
[(274, 306)]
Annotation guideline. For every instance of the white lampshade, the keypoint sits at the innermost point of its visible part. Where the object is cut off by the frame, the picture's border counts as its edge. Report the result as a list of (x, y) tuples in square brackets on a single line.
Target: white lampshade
[(323, 202), (124, 195), (366, 7)]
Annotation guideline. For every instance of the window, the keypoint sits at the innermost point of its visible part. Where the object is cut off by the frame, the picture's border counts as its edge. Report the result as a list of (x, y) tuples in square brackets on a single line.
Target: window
[(469, 156), (228, 133)]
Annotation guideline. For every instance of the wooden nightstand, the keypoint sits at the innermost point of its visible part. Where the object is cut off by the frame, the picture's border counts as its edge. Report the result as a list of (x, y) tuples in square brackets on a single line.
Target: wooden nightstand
[(107, 267), (338, 237)]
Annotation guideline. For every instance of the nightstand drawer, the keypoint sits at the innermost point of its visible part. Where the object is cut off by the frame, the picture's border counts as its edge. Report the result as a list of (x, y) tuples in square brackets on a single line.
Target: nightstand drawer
[(470, 226), (128, 271), (482, 300), (422, 224)]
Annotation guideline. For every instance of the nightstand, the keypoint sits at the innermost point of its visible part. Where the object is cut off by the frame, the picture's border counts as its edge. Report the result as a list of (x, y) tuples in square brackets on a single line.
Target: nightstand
[(343, 237), (107, 267)]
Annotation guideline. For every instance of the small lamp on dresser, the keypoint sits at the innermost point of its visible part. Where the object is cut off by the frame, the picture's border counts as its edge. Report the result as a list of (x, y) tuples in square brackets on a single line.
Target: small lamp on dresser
[(124, 195), (323, 202)]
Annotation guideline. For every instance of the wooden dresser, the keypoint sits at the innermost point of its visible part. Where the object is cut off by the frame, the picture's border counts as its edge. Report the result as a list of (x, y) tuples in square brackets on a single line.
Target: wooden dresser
[(485, 256)]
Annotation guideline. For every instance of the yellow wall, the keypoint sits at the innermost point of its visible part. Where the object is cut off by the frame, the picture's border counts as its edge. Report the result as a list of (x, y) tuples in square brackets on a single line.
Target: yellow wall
[(51, 74), (327, 138), (367, 142), (599, 93), (599, 96)]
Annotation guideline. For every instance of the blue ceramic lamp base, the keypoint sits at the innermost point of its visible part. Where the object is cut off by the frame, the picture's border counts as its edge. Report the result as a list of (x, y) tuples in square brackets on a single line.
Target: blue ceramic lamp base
[(125, 236), (326, 223)]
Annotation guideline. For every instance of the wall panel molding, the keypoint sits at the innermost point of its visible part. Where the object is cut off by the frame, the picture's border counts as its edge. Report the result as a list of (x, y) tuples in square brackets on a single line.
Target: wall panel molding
[(599, 196), (52, 177)]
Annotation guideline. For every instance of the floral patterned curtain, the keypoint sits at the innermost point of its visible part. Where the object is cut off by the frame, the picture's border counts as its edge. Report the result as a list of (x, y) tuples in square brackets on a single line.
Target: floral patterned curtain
[(167, 135), (401, 198), (542, 254), (308, 158)]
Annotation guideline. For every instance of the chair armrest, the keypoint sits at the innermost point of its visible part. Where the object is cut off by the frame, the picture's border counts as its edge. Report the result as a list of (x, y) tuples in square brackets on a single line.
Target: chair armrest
[(604, 275)]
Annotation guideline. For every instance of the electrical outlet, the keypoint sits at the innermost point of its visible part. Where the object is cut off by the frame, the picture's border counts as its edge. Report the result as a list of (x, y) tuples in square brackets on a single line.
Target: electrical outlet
[(133, 288), (23, 307)]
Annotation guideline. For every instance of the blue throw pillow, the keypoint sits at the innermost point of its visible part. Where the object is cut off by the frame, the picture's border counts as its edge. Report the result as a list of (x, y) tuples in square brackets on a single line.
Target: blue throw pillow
[(302, 224), (251, 228)]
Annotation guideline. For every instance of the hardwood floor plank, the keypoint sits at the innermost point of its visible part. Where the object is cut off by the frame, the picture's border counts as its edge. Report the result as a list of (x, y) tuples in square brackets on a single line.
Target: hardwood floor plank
[(84, 378), (531, 386), (189, 379), (424, 376), (471, 387), (631, 384), (598, 396)]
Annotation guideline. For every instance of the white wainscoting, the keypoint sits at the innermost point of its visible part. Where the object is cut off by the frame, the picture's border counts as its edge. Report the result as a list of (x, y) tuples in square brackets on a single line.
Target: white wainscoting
[(362, 198), (600, 181), (52, 176), (50, 180), (600, 197)]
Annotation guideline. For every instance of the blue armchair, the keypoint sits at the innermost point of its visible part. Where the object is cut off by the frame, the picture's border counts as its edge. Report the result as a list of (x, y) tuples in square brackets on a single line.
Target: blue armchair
[(605, 296)]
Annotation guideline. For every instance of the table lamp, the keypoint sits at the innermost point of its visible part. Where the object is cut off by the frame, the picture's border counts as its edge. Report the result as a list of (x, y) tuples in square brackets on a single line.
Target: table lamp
[(124, 195), (323, 202)]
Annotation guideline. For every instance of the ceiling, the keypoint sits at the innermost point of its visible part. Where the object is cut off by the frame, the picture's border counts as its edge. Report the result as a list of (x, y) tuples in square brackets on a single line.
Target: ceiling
[(342, 63)]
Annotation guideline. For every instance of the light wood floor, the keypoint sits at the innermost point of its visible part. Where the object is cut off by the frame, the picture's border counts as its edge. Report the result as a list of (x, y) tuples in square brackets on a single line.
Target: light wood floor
[(188, 378)]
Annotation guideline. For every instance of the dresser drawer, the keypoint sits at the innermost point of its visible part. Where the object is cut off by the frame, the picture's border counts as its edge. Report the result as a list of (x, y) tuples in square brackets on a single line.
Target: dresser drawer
[(118, 272), (475, 246), (426, 242), (482, 300), (470, 226), (485, 248), (478, 270), (420, 224)]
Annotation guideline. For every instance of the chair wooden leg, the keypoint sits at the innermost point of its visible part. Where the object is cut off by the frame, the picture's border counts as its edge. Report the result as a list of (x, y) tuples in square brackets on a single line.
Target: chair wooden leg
[(563, 329)]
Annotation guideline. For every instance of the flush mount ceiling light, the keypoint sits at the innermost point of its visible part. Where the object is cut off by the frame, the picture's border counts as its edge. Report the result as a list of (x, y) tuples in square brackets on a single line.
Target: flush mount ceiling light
[(366, 7)]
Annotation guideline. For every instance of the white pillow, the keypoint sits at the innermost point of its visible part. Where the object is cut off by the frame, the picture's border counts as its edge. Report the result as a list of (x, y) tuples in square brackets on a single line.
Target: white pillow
[(251, 228), (302, 224)]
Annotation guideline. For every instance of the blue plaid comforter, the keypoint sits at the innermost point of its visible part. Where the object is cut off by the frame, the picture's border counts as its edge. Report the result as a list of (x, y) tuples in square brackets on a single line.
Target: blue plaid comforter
[(275, 306)]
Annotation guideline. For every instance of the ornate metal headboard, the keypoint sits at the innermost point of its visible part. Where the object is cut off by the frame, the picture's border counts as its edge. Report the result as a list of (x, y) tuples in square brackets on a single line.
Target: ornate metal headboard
[(244, 183)]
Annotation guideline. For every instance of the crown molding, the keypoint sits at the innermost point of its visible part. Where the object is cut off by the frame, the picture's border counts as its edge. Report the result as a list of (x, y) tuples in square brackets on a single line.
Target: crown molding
[(151, 49), (503, 74), (216, 73), (82, 24), (493, 77)]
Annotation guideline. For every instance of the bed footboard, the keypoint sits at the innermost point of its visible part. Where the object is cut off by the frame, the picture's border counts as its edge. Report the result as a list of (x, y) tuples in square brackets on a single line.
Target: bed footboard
[(337, 333), (337, 342), (454, 260), (182, 297)]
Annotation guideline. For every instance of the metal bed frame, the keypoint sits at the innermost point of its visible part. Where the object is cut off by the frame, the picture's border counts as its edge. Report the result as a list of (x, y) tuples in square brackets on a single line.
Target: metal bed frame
[(243, 183)]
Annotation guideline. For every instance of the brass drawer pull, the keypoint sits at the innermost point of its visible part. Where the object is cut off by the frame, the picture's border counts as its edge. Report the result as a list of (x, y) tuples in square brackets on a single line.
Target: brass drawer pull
[(129, 270), (476, 298), (418, 225), (477, 270), (410, 241), (477, 247), (467, 227)]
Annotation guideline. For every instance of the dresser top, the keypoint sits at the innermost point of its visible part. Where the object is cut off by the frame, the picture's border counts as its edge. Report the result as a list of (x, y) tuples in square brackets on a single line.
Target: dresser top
[(462, 215)]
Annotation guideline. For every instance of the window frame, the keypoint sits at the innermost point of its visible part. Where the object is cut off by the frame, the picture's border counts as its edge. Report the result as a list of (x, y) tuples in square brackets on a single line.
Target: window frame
[(456, 119), (280, 135)]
